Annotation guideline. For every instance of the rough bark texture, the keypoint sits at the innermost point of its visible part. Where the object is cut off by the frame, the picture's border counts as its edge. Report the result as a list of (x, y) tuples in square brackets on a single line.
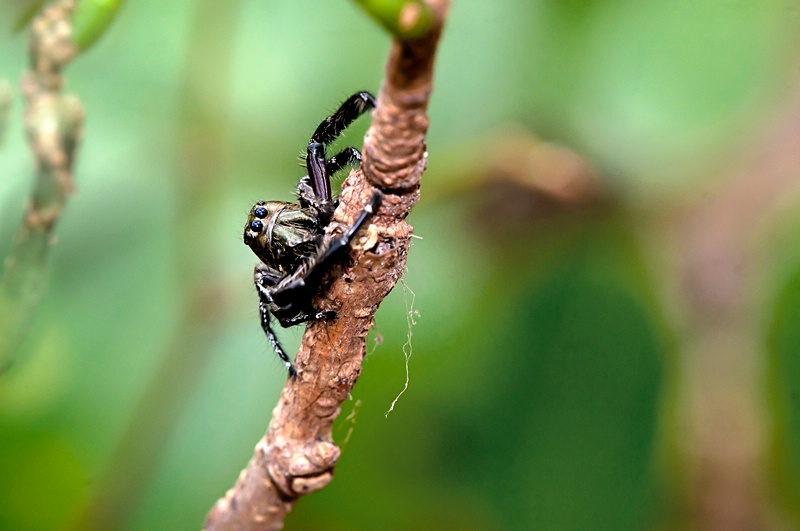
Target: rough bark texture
[(297, 455)]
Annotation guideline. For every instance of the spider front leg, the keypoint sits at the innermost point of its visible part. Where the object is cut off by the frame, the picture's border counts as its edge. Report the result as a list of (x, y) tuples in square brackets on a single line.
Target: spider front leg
[(320, 169), (332, 126), (349, 156), (264, 279), (296, 286), (322, 315), (320, 178), (344, 240)]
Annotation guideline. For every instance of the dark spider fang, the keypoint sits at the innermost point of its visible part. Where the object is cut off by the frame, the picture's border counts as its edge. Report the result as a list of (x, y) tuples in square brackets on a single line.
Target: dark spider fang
[(289, 238)]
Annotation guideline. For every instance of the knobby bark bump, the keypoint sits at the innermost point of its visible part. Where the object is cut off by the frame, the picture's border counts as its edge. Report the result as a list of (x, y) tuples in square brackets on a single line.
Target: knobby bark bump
[(297, 455)]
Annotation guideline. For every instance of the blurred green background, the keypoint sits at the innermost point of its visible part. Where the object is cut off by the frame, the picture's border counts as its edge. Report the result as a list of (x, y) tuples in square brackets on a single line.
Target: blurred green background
[(545, 376)]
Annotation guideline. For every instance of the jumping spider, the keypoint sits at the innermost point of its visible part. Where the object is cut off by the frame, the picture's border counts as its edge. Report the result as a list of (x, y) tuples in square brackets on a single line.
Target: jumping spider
[(289, 238)]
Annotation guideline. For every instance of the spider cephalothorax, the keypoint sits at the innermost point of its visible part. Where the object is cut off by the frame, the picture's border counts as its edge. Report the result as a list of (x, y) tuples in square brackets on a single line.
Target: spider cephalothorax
[(289, 238)]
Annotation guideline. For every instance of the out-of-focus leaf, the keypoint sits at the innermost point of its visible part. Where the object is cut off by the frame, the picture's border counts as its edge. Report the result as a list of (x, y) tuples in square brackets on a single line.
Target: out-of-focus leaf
[(581, 444), (784, 380), (27, 14), (91, 20), (405, 19), (40, 470), (656, 90)]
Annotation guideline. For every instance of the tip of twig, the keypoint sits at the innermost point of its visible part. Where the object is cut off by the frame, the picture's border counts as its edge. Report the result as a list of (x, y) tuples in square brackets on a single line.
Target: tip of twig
[(404, 19)]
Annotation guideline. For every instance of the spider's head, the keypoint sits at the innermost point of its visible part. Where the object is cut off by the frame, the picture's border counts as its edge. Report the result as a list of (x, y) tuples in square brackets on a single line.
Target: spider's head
[(256, 229), (281, 234)]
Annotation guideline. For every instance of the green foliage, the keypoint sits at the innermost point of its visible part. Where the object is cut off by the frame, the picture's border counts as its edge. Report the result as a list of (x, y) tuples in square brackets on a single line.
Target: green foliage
[(91, 20), (784, 379), (39, 470), (402, 18), (26, 13)]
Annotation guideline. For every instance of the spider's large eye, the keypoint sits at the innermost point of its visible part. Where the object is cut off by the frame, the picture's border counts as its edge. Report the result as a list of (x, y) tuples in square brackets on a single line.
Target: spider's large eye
[(256, 225), (260, 212)]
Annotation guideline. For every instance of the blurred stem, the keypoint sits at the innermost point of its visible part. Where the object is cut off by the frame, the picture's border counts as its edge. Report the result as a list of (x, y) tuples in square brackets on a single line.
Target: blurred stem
[(512, 155), (54, 124), (723, 357), (6, 98), (200, 186), (28, 13), (92, 19), (405, 19)]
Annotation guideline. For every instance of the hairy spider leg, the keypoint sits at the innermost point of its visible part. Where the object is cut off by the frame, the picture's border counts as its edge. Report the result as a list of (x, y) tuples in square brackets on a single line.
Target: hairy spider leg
[(263, 278), (321, 170), (327, 131), (291, 287), (273, 339), (320, 180), (345, 239), (270, 285), (332, 126), (349, 156), (306, 317)]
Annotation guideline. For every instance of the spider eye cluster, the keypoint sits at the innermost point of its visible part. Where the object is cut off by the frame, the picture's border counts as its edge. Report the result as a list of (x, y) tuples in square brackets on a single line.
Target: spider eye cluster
[(260, 212), (256, 223)]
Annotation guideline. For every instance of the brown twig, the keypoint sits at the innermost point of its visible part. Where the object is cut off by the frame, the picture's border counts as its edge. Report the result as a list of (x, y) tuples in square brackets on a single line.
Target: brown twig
[(297, 455)]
